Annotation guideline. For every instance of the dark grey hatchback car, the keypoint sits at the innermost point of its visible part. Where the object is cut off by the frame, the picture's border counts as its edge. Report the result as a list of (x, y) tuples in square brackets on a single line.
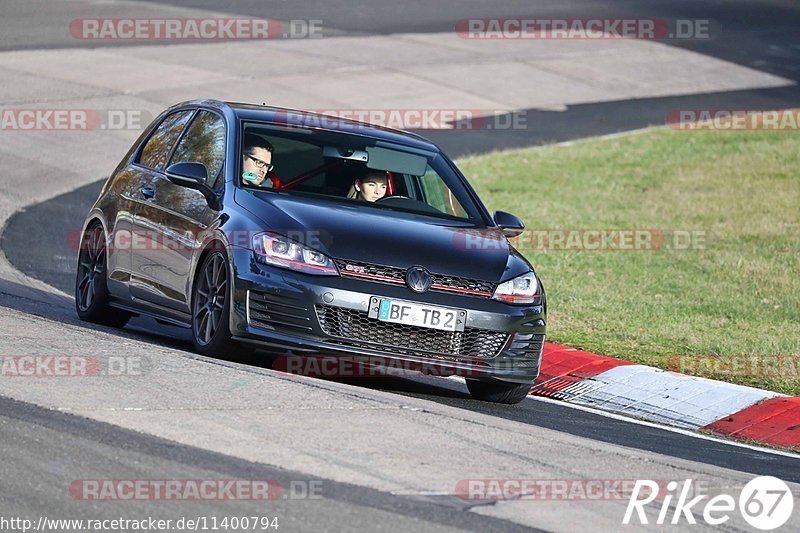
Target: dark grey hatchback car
[(296, 261)]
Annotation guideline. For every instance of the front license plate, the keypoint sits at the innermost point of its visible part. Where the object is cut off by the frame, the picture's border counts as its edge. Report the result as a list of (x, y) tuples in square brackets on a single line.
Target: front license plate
[(416, 314)]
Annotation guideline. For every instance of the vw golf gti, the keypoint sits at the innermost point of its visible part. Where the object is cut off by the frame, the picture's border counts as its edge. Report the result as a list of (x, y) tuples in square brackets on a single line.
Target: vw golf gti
[(296, 233)]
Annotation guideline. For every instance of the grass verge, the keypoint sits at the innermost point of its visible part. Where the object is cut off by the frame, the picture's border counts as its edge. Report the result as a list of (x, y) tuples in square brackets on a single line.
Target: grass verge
[(713, 287)]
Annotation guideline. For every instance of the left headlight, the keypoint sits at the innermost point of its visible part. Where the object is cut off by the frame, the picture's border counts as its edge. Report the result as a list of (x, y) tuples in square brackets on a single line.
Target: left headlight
[(276, 250), (523, 289)]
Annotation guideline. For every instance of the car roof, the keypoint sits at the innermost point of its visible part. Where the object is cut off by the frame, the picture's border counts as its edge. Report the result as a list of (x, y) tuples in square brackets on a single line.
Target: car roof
[(312, 120)]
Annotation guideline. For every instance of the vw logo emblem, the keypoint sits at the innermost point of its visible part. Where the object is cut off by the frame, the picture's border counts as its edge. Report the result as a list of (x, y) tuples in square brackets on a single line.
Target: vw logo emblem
[(418, 279)]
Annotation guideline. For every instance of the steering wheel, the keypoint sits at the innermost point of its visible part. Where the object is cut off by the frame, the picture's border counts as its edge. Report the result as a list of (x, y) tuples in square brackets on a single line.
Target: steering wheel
[(393, 197), (404, 202)]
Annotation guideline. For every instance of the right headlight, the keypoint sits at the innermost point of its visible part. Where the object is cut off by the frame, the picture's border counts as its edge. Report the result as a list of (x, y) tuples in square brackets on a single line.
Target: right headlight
[(523, 289), (276, 250)]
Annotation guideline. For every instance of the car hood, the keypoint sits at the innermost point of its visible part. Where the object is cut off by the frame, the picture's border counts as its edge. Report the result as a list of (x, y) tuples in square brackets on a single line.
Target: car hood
[(389, 238)]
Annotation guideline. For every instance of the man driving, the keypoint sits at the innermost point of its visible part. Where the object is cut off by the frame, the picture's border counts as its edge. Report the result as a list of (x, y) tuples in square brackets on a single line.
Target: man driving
[(256, 161)]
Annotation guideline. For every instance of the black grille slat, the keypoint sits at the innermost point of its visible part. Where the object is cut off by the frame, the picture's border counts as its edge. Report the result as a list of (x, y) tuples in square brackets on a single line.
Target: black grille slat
[(356, 328), (537, 345), (451, 283), (527, 345), (273, 314), (264, 301), (269, 313), (464, 284)]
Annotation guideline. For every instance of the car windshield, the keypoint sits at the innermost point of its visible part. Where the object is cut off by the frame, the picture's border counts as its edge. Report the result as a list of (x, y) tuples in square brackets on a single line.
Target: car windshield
[(356, 169)]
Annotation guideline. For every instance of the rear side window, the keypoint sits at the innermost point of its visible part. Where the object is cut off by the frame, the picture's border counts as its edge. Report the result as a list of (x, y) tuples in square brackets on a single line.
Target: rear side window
[(156, 150), (204, 142)]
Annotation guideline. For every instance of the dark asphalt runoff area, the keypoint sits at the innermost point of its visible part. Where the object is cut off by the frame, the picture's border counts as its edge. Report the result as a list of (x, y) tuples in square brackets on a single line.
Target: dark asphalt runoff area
[(45, 452)]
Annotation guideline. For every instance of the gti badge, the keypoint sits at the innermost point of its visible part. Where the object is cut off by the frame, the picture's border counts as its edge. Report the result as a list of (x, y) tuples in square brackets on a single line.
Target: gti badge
[(418, 279), (355, 268)]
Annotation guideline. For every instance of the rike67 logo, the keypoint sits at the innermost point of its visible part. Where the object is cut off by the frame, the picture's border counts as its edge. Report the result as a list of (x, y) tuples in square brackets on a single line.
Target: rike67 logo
[(765, 503)]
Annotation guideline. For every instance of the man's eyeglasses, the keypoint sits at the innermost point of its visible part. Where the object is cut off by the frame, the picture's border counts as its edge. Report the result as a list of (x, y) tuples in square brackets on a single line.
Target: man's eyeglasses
[(261, 164)]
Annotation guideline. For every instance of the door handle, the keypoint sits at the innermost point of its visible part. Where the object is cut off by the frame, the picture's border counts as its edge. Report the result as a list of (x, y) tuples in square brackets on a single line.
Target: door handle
[(148, 192)]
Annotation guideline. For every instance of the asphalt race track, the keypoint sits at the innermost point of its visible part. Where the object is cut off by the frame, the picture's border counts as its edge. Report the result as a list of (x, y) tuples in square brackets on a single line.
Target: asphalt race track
[(761, 35), (387, 453)]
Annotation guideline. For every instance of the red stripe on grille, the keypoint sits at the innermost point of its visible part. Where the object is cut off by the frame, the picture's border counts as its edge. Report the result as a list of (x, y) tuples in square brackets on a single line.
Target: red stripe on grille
[(463, 291), (401, 281), (370, 276)]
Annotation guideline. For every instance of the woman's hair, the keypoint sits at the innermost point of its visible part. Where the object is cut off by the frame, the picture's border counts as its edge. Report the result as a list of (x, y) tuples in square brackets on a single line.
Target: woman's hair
[(375, 174)]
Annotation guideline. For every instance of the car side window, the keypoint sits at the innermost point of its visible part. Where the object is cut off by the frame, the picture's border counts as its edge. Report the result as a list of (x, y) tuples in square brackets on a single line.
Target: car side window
[(156, 150), (203, 142), (437, 194)]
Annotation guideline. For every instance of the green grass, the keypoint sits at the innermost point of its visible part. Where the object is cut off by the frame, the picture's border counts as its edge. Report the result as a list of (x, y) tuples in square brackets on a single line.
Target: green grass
[(732, 298)]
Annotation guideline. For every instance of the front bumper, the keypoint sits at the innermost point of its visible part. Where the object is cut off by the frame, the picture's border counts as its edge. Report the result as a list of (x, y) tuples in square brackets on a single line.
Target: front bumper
[(295, 313)]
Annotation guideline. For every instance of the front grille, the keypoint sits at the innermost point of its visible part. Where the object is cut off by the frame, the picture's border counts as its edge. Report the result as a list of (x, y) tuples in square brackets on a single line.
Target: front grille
[(370, 271), (441, 282), (453, 284), (355, 328), (268, 311)]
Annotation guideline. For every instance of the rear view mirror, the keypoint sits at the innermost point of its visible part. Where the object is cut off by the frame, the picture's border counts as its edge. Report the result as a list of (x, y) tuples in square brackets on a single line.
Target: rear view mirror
[(193, 176), (345, 153), (187, 174), (511, 225)]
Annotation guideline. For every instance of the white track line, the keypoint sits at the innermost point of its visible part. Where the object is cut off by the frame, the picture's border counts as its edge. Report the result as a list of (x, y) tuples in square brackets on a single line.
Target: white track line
[(680, 431), (667, 428)]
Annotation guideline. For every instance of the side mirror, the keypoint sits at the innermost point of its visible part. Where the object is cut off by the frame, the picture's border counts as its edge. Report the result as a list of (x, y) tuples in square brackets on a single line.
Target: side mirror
[(187, 174), (193, 176), (511, 225)]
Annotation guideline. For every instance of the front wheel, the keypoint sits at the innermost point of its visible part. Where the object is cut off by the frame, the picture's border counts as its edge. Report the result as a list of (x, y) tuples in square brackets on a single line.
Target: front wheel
[(211, 303), (498, 391), (91, 289)]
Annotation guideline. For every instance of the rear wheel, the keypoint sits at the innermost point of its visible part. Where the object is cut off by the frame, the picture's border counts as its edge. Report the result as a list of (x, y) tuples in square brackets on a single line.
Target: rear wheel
[(91, 289), (498, 391)]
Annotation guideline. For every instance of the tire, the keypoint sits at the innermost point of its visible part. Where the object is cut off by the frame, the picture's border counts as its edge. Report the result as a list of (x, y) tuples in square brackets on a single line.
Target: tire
[(211, 304), (91, 289), (498, 391)]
